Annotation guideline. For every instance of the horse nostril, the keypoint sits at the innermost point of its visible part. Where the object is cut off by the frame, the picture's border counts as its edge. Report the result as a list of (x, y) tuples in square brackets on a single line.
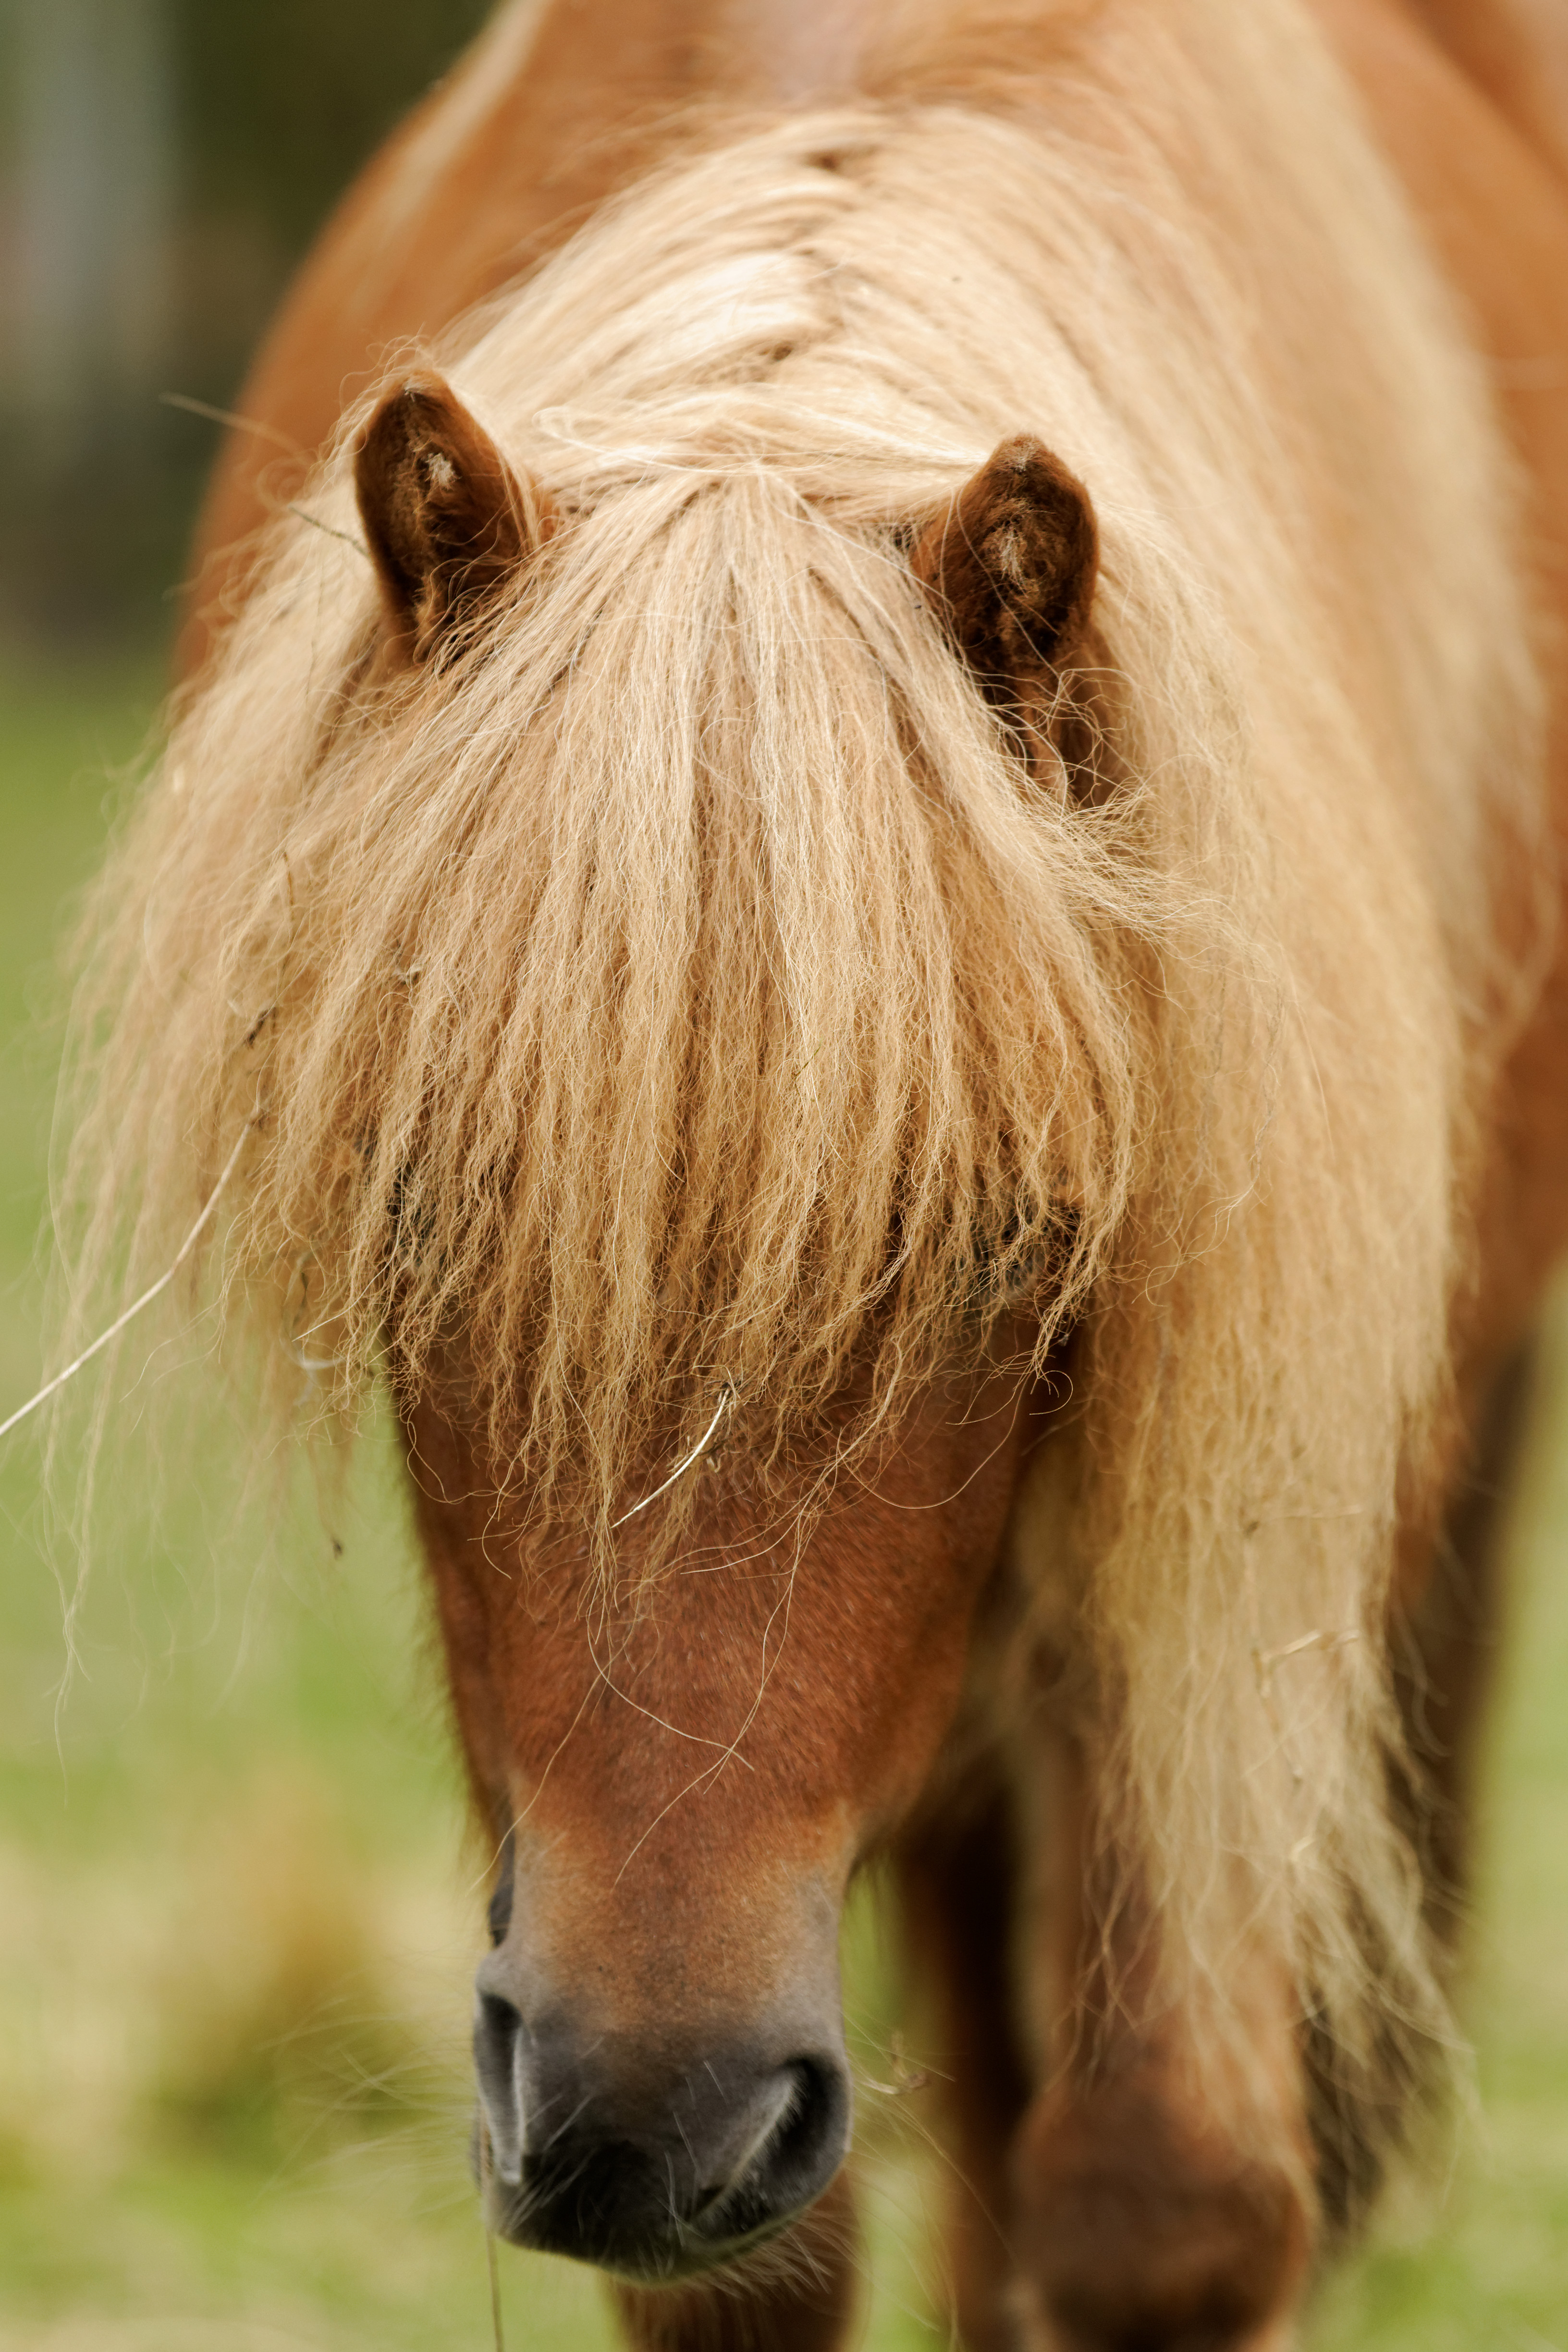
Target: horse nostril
[(498, 2036), (799, 2154), (655, 2163), (816, 2123)]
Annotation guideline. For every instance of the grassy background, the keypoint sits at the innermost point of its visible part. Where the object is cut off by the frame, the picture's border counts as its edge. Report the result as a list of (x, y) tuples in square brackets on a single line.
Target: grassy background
[(239, 1912)]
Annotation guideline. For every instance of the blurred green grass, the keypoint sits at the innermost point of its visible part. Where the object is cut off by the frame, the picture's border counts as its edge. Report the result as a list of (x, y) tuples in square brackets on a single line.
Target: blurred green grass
[(238, 1906)]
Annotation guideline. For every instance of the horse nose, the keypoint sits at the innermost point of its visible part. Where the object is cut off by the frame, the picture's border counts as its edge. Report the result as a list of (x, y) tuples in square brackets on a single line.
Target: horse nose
[(651, 2168)]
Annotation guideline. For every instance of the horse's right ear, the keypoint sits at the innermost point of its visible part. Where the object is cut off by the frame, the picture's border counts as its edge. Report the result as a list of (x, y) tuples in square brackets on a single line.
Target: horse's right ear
[(1010, 567), (446, 519)]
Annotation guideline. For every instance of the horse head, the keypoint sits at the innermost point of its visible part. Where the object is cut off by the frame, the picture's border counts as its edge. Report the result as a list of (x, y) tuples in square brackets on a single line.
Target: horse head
[(685, 1747)]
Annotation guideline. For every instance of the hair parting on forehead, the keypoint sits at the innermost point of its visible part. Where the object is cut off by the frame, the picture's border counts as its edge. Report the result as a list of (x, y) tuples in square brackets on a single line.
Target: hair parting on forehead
[(689, 983)]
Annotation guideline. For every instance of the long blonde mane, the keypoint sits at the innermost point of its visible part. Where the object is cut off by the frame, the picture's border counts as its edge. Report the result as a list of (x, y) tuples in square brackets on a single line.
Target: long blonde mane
[(688, 986)]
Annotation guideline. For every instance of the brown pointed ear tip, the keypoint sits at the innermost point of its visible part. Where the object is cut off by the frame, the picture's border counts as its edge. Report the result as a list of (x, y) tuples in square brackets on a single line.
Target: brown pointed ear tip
[(423, 418), (1011, 563), (447, 518), (1026, 455), (421, 405), (1025, 483)]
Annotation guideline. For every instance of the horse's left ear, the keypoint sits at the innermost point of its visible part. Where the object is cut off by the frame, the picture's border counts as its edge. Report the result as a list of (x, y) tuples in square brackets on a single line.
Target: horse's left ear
[(1010, 566), (446, 519)]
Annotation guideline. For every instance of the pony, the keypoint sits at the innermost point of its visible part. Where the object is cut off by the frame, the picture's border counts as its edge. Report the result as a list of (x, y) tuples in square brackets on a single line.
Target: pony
[(856, 875)]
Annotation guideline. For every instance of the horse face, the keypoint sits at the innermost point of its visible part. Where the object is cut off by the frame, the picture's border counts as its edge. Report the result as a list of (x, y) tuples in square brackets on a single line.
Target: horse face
[(685, 1777)]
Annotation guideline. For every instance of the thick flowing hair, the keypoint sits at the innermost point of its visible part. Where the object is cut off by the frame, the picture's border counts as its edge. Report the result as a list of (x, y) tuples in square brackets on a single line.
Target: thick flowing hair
[(688, 986)]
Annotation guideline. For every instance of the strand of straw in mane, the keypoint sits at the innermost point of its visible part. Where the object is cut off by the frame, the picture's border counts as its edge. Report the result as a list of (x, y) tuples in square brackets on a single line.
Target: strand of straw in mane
[(487, 2166), (235, 423), (726, 1399), (238, 424), (156, 1291)]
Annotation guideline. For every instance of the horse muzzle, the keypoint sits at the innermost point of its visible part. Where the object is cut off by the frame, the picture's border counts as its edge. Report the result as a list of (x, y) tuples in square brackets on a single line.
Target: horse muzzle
[(652, 2160)]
